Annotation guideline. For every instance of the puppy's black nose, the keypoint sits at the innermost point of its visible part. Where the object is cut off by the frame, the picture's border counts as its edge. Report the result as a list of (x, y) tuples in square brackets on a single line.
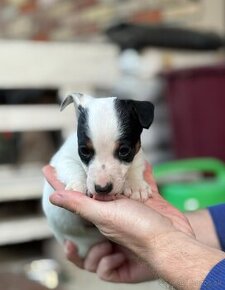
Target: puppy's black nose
[(104, 190)]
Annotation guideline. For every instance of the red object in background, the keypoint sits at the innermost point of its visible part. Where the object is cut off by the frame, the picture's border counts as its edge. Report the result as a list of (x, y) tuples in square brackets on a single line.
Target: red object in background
[(147, 16), (7, 135), (196, 100), (29, 6), (41, 36)]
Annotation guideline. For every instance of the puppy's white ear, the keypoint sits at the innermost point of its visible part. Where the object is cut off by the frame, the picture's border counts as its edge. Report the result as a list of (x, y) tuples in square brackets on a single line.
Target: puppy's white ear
[(72, 98)]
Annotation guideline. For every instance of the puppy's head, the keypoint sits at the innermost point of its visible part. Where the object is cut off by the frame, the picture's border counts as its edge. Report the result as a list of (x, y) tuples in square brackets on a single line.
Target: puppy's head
[(108, 132)]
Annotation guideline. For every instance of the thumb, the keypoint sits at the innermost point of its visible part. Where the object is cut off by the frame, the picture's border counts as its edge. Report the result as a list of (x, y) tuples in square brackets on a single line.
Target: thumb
[(78, 203)]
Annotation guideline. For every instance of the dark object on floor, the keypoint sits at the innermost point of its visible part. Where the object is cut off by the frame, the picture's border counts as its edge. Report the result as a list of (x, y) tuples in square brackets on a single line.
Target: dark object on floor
[(12, 281), (128, 35)]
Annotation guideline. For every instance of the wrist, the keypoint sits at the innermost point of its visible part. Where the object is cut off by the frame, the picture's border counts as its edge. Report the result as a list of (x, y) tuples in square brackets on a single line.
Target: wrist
[(199, 221), (182, 261)]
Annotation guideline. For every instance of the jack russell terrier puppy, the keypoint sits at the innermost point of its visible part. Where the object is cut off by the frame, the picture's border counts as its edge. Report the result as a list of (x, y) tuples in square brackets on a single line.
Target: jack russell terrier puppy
[(102, 159)]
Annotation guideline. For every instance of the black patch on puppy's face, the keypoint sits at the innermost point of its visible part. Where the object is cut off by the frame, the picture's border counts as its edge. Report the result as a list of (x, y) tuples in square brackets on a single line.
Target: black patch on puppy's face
[(133, 116), (85, 148)]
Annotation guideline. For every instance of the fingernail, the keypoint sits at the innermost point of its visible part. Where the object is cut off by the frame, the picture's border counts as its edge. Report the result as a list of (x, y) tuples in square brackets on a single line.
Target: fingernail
[(56, 197)]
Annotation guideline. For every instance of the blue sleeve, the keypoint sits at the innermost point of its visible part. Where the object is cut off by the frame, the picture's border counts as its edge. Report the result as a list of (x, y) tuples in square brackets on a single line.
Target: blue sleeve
[(216, 278), (218, 216)]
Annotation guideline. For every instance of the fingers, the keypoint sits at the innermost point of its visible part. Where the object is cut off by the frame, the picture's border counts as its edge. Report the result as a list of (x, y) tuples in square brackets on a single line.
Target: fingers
[(76, 202), (99, 260), (92, 210), (110, 217), (150, 179), (95, 254), (108, 268), (159, 204), (50, 175), (72, 255)]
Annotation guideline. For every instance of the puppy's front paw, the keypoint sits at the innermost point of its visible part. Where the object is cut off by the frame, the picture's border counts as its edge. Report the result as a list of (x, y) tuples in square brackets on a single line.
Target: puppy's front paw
[(76, 186), (138, 190)]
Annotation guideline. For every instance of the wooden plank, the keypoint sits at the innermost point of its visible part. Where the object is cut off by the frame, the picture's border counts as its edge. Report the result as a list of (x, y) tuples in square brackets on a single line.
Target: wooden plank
[(35, 118), (30, 64), (20, 183), (23, 229)]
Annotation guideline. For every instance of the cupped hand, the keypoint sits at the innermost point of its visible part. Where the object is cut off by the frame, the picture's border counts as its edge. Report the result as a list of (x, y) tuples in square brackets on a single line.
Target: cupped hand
[(111, 262), (133, 225)]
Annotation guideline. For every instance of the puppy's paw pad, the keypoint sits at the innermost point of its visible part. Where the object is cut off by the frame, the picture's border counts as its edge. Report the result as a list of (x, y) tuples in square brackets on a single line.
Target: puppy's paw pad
[(140, 191)]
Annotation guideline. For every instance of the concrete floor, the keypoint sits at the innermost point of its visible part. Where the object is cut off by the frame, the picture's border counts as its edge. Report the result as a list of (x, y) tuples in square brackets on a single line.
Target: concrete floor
[(79, 279), (71, 277), (89, 281)]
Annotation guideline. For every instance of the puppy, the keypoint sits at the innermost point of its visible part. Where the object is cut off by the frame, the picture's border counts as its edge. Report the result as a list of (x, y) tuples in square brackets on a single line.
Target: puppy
[(102, 159)]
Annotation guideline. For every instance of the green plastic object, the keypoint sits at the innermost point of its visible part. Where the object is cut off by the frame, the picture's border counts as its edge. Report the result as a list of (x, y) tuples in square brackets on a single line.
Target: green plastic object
[(203, 191)]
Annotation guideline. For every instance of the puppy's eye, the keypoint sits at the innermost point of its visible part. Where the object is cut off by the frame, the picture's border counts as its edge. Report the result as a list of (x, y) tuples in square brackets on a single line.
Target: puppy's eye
[(124, 151), (86, 151)]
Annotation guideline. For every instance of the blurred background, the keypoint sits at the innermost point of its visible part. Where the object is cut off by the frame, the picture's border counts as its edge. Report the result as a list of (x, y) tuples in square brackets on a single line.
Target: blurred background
[(170, 52)]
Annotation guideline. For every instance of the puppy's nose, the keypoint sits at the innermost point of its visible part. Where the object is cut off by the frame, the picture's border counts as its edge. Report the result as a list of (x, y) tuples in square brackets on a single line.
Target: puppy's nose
[(104, 190)]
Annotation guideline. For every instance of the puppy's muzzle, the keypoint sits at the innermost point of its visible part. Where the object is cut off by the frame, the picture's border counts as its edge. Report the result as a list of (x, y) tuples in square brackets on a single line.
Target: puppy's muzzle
[(104, 190)]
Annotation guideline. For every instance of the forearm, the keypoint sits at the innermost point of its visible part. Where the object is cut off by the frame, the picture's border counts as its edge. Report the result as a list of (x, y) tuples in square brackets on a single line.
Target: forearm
[(202, 224), (182, 261)]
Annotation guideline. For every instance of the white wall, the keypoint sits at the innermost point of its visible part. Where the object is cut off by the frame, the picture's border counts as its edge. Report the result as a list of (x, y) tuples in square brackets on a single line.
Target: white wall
[(212, 16)]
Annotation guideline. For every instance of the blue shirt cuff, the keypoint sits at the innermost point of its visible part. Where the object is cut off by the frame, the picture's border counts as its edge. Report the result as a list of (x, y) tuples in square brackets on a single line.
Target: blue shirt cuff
[(216, 278), (218, 216)]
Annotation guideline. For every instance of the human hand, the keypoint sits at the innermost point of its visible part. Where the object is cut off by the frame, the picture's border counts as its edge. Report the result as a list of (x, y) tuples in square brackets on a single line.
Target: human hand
[(111, 262), (139, 224)]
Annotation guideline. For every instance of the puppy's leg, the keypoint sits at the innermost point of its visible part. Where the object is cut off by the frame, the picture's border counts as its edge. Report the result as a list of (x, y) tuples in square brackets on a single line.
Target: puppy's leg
[(68, 166), (73, 176), (64, 224), (70, 172), (135, 186)]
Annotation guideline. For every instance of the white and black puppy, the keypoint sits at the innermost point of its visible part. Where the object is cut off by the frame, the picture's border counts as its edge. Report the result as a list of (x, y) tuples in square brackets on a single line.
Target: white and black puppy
[(102, 159)]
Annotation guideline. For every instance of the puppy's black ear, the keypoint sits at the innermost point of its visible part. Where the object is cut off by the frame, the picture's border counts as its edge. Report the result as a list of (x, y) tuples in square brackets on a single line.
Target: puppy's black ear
[(144, 111), (72, 98)]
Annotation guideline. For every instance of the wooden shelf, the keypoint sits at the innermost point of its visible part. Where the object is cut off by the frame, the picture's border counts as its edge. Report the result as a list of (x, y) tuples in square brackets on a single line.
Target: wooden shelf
[(23, 229), (25, 183), (35, 118), (20, 183)]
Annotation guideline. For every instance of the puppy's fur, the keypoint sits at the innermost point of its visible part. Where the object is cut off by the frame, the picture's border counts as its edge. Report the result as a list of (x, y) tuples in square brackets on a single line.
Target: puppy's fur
[(101, 159)]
